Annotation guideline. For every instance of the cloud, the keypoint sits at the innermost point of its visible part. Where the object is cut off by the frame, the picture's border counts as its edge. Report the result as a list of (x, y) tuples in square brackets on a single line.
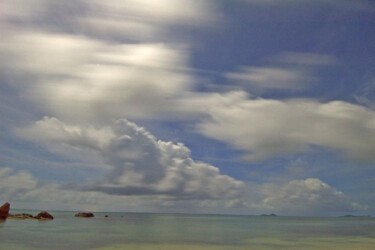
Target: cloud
[(308, 196), (297, 197), (141, 164), (82, 79), (131, 19), (22, 189), (265, 128), (164, 11), (271, 78), (353, 5), (109, 20), (285, 71), (307, 59), (13, 184), (365, 96), (273, 2), (98, 57)]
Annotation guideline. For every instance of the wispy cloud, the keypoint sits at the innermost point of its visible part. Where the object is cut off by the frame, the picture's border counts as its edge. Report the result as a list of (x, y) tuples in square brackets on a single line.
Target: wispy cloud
[(109, 20), (354, 5), (271, 78), (307, 59), (80, 78), (287, 71), (266, 128)]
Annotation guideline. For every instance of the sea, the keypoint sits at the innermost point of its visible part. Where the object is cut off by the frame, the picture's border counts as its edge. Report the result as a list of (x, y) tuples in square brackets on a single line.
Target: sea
[(143, 231)]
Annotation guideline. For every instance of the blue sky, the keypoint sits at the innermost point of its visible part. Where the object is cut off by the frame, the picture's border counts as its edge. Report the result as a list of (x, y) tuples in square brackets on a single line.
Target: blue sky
[(240, 106)]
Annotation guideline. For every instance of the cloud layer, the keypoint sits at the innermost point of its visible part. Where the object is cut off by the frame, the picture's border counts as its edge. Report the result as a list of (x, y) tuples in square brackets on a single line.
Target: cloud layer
[(296, 197)]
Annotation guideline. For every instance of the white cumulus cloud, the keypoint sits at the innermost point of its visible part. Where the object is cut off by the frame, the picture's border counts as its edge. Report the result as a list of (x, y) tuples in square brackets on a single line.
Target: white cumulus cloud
[(141, 164), (305, 196)]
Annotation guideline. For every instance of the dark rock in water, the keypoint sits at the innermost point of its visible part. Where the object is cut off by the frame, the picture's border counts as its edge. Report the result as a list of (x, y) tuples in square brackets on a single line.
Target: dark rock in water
[(269, 215), (355, 216), (4, 211), (84, 214), (22, 216), (44, 215), (106, 216), (41, 216)]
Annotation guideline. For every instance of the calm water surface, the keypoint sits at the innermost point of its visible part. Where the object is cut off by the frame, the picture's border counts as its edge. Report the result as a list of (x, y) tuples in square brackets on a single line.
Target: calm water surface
[(171, 231)]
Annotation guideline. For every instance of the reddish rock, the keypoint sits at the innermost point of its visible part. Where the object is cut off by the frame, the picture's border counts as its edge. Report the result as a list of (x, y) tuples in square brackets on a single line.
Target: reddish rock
[(4, 211), (84, 214), (44, 215)]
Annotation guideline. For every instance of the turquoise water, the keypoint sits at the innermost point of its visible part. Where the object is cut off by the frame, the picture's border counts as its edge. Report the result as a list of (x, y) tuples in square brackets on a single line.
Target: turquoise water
[(175, 231)]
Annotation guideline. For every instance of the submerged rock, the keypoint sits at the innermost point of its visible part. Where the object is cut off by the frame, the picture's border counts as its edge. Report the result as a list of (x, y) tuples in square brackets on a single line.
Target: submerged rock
[(44, 215), (4, 211), (84, 214)]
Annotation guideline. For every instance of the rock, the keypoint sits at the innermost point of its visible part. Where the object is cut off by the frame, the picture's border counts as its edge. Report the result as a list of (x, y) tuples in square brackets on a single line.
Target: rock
[(21, 216), (355, 216), (106, 216), (4, 211), (269, 215), (84, 214), (41, 216), (44, 215)]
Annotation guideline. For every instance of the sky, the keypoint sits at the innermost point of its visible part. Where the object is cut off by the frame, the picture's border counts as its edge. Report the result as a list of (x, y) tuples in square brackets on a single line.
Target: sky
[(183, 106)]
